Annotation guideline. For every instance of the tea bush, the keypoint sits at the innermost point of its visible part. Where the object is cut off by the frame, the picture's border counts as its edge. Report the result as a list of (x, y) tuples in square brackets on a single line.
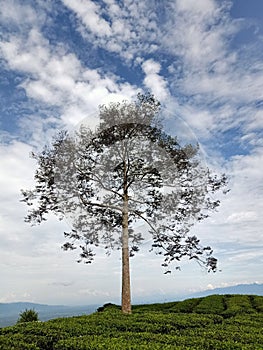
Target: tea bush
[(149, 329)]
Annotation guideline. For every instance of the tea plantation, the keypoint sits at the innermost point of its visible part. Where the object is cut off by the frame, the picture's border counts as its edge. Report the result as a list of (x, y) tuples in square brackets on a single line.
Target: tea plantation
[(217, 322)]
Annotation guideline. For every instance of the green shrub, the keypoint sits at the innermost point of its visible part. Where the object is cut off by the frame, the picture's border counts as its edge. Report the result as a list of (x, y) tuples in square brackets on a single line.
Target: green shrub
[(257, 302), (187, 305), (28, 316), (17, 342), (212, 304), (108, 307), (238, 304)]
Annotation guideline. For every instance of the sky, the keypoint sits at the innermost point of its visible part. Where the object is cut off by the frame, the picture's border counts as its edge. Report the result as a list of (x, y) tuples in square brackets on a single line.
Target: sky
[(60, 60)]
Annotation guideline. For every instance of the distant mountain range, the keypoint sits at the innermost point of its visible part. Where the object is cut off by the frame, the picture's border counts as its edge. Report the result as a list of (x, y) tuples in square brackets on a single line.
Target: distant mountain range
[(9, 312), (250, 289), (254, 288)]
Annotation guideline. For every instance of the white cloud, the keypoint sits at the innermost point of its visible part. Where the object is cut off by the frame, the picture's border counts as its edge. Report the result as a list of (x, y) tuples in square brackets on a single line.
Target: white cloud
[(89, 13), (17, 237), (13, 158), (31, 257), (95, 293), (154, 81), (247, 257), (217, 78), (59, 79), (242, 216), (198, 32), (202, 7), (130, 27), (210, 286), (256, 121), (13, 12), (238, 220), (151, 67)]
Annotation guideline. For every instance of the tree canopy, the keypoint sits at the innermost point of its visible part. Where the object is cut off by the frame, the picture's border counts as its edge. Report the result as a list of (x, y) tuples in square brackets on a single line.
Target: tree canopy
[(127, 171)]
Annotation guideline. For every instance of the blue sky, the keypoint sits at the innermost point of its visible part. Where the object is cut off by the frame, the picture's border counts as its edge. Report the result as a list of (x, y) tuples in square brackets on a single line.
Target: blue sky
[(61, 59)]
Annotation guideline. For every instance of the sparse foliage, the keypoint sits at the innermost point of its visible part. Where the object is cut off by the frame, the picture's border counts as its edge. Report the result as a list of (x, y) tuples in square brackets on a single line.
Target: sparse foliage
[(128, 171)]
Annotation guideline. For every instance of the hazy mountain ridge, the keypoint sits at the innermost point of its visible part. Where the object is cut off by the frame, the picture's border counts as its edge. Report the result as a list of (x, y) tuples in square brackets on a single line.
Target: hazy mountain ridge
[(249, 289), (9, 312), (18, 306), (253, 289)]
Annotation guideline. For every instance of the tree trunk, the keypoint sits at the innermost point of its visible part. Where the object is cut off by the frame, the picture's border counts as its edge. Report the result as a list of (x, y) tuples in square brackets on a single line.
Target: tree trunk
[(126, 287)]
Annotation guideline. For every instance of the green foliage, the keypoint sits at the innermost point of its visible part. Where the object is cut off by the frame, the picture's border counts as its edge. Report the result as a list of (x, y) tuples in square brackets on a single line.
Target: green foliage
[(108, 306), (238, 304), (28, 316), (163, 307), (187, 305), (149, 327), (257, 302), (213, 304)]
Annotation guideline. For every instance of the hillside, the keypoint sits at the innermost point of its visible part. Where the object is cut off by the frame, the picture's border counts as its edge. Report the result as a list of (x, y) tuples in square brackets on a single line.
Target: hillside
[(217, 322)]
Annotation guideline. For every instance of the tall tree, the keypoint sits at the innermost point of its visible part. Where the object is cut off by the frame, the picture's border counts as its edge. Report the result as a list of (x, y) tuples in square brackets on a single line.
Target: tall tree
[(128, 170)]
